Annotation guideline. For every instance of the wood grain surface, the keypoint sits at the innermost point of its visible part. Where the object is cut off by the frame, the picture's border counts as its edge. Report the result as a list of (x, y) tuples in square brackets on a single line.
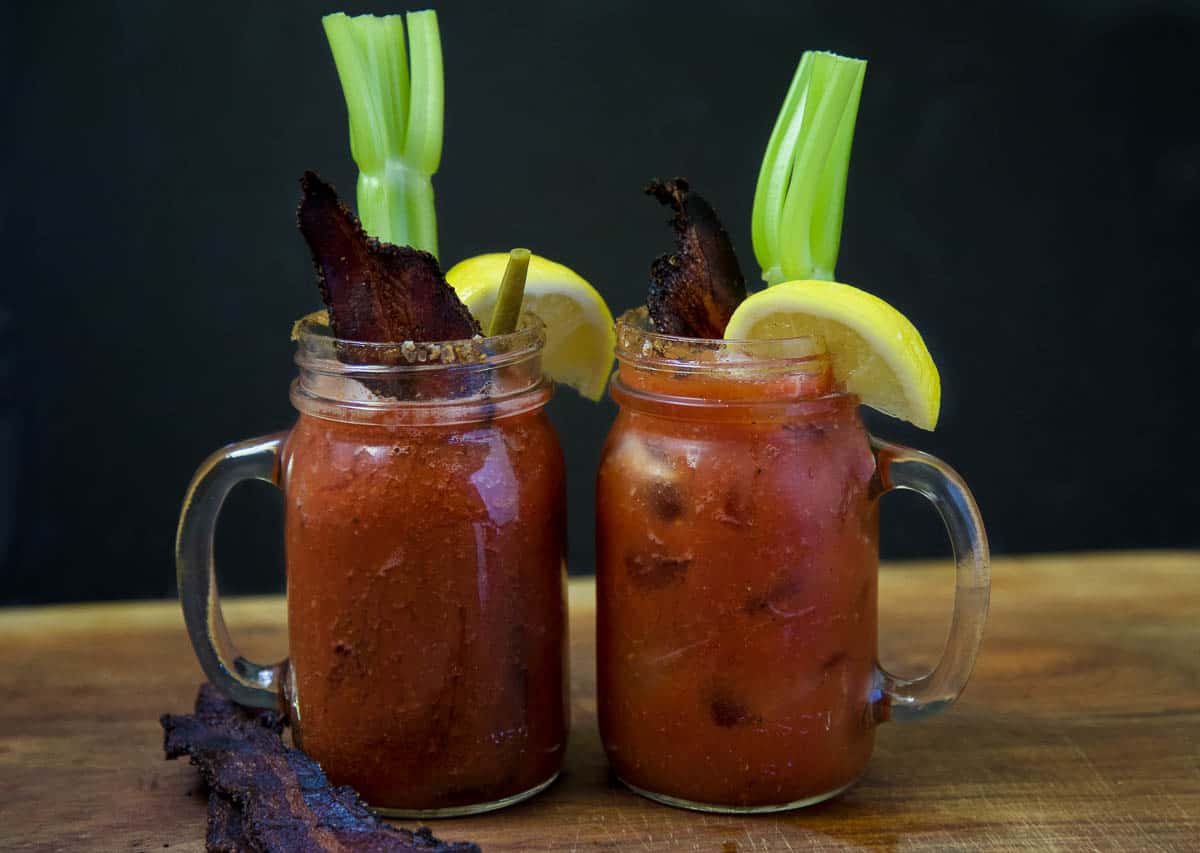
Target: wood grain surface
[(1079, 731)]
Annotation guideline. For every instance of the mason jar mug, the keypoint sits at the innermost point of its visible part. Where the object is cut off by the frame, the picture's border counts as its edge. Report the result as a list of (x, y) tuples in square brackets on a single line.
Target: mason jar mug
[(424, 538), (737, 561)]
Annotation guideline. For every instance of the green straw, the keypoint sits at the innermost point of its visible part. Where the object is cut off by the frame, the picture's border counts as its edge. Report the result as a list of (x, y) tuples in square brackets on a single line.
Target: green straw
[(512, 292)]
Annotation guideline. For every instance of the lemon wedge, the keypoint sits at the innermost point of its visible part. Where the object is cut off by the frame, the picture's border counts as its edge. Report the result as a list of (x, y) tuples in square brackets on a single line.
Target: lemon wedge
[(877, 353), (579, 326)]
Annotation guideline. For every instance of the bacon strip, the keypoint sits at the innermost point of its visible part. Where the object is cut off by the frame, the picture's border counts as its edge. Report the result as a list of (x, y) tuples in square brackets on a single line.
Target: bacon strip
[(283, 800), (375, 291), (225, 833), (694, 291)]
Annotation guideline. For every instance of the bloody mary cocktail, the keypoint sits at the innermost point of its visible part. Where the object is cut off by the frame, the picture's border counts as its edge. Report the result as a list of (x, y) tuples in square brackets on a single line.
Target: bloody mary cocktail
[(423, 484), (737, 534), (737, 499), (424, 534)]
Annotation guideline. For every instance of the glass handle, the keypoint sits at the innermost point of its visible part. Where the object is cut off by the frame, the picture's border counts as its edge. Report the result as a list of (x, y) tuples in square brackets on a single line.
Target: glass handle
[(903, 468), (243, 681)]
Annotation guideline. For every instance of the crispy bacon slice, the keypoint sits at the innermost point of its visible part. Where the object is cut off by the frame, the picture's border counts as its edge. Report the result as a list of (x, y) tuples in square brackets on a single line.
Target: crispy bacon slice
[(694, 291), (283, 800), (225, 833), (375, 291)]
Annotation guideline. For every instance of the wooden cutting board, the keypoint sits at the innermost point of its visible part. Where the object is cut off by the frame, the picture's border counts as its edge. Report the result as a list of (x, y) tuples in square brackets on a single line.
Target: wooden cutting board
[(1080, 729)]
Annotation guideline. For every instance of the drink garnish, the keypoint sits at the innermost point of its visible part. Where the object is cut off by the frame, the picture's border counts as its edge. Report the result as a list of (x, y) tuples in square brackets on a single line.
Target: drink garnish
[(579, 326), (796, 224), (272, 797), (798, 201), (875, 351), (395, 102), (376, 291), (511, 294), (693, 291), (379, 277)]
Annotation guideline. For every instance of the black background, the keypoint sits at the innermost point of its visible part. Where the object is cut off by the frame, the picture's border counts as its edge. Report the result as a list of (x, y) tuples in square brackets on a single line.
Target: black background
[(1025, 186)]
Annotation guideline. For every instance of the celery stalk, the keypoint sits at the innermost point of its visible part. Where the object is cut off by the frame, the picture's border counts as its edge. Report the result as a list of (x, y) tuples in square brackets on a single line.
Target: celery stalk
[(798, 202), (776, 168), (395, 102)]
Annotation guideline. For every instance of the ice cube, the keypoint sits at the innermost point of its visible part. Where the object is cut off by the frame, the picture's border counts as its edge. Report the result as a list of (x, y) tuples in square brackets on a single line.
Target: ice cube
[(656, 571), (783, 597), (725, 706), (737, 510), (637, 456), (664, 499), (805, 430)]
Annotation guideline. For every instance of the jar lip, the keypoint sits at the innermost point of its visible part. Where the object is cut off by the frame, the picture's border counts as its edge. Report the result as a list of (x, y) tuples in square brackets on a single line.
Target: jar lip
[(316, 346), (376, 411), (684, 407), (637, 342)]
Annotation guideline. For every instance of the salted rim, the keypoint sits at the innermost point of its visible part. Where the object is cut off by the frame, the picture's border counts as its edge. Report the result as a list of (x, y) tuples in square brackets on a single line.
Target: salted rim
[(316, 345), (633, 326)]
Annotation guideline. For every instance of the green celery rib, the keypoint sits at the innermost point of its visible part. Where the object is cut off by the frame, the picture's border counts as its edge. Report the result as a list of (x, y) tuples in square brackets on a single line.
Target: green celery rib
[(830, 201), (423, 140), (800, 197), (395, 112), (776, 169)]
